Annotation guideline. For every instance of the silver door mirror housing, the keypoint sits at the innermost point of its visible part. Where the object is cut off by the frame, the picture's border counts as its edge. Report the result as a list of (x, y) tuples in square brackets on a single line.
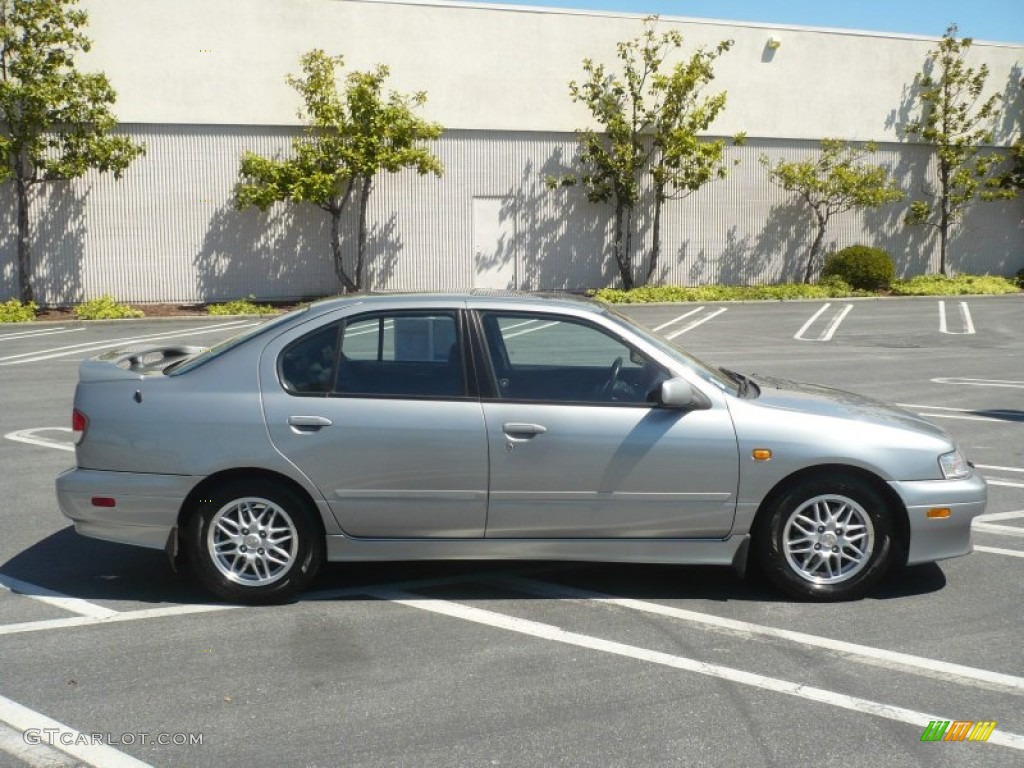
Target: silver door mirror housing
[(679, 393)]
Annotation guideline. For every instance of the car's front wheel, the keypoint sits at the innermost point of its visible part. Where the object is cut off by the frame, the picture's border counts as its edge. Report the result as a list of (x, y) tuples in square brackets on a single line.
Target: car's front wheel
[(827, 539), (254, 542)]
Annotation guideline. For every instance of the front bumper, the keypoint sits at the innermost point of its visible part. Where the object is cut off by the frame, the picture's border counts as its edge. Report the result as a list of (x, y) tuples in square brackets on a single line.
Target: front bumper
[(934, 538), (145, 506)]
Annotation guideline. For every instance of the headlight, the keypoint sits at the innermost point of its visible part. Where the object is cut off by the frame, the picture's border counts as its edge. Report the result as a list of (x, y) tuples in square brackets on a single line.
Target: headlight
[(954, 465)]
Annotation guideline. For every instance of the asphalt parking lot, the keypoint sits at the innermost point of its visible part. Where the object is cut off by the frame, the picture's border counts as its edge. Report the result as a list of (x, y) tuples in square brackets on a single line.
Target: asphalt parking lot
[(110, 659)]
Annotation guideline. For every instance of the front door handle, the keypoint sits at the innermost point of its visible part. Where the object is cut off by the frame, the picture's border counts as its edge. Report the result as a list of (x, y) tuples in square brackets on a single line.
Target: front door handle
[(523, 431), (309, 423)]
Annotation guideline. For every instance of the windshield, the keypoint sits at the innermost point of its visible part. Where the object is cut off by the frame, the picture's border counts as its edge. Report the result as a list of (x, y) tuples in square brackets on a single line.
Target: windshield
[(228, 344), (702, 369)]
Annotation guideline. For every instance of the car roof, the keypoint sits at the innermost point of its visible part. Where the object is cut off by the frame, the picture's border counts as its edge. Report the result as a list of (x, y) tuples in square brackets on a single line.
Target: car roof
[(478, 299)]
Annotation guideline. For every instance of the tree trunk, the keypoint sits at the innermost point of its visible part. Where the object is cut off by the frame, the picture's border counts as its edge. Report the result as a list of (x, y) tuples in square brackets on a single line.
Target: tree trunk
[(24, 241), (943, 218), (812, 258), (364, 197), (347, 286), (656, 234), (620, 257)]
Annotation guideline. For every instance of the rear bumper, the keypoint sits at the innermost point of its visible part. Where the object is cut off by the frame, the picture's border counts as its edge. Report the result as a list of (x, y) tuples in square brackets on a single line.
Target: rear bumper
[(940, 538), (145, 506)]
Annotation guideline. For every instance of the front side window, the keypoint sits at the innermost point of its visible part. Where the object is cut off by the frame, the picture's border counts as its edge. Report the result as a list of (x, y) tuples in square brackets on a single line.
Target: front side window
[(406, 354), (547, 358)]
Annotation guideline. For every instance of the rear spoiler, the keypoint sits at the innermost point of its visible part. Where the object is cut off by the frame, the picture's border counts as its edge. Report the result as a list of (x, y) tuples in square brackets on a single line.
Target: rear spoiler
[(134, 363)]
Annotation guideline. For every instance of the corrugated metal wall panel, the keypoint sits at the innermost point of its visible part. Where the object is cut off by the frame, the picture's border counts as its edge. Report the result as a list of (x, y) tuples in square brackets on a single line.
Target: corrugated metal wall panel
[(169, 231)]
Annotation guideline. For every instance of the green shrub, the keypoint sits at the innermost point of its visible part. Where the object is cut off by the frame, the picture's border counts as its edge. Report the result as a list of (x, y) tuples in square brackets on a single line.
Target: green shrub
[(827, 289), (14, 311), (104, 308), (240, 307), (938, 285), (869, 269)]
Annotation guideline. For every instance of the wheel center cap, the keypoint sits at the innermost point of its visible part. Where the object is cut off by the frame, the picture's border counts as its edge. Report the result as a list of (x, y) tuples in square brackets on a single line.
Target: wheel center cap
[(829, 539), (252, 541)]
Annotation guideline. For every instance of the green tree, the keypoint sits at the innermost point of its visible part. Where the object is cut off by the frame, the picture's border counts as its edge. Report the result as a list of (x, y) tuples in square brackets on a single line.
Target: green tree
[(55, 122), (956, 121), (350, 137), (651, 114), (837, 181)]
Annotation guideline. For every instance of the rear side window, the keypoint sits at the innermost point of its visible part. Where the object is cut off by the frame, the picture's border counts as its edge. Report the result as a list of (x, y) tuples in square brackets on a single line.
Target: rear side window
[(407, 354), (307, 365)]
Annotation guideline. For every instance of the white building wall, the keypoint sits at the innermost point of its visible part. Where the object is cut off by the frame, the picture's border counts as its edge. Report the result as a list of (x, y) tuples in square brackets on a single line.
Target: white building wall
[(169, 231)]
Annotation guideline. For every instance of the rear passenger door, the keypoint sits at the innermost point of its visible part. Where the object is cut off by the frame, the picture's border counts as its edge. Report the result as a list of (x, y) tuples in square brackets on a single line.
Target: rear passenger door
[(378, 412)]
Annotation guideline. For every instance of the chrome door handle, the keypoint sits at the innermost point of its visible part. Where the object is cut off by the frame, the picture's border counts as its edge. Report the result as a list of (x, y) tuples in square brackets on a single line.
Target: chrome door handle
[(513, 429), (309, 422)]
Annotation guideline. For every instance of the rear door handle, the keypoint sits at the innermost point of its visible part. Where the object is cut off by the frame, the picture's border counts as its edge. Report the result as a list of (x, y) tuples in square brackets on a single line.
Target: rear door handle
[(514, 429), (309, 423)]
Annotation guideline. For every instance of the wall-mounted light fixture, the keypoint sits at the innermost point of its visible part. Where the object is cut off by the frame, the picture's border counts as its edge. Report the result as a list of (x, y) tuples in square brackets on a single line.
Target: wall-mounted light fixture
[(774, 43)]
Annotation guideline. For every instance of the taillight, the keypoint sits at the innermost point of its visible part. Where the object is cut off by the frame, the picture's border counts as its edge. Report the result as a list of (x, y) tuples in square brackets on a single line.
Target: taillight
[(79, 424)]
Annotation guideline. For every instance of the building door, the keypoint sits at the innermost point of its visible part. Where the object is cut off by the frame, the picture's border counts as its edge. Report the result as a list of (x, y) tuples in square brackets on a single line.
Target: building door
[(494, 236)]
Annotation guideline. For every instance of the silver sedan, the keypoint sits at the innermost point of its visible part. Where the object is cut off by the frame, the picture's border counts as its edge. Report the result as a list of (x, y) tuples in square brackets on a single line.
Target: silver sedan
[(372, 428)]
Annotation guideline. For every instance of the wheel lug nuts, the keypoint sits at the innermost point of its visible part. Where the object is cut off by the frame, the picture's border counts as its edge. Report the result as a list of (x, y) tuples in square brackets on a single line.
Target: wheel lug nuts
[(817, 546), (245, 531), (839, 531), (835, 549), (260, 551), (243, 549), (821, 529)]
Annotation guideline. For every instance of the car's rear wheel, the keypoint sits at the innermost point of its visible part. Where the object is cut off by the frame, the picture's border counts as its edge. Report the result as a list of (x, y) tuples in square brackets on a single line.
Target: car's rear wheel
[(254, 542), (827, 539)]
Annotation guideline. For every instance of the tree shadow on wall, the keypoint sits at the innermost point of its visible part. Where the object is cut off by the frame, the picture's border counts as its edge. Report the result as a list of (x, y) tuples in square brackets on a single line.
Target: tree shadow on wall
[(564, 239), (283, 253), (57, 242)]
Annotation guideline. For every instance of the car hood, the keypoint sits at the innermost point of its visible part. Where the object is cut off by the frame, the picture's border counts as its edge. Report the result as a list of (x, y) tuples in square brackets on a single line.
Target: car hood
[(783, 394)]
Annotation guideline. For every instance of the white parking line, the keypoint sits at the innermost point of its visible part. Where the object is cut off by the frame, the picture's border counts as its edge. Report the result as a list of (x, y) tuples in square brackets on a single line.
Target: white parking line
[(992, 516), (696, 323), (999, 530), (1001, 469), (74, 349), (932, 412), (57, 599), (88, 621), (33, 755), (905, 661), (675, 320), (79, 745), (999, 551), (29, 436), (730, 674), (979, 382), (830, 331), (529, 330), (46, 332), (1003, 483), (965, 319)]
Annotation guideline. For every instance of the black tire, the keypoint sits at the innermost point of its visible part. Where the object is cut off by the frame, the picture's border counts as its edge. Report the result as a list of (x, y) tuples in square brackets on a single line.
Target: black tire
[(268, 562), (827, 539)]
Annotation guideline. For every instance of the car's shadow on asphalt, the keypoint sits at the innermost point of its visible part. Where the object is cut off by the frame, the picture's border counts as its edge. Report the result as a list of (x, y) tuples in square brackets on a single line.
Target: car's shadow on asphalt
[(88, 569)]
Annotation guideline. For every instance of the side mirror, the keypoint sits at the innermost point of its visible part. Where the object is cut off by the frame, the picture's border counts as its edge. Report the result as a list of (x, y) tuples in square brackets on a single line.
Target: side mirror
[(678, 393)]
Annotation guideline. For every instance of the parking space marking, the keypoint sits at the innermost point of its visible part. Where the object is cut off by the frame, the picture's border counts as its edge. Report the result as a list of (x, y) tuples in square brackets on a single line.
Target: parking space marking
[(945, 412), (855, 650), (675, 320), (729, 674), (979, 382), (23, 719), (999, 530), (999, 551), (525, 331), (40, 332), (35, 755), (1003, 483), (57, 599), (965, 319), (29, 436), (696, 323), (830, 330), (88, 621), (75, 349), (993, 516), (1001, 469)]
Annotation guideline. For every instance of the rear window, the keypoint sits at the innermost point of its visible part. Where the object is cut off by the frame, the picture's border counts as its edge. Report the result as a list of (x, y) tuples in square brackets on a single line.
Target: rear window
[(228, 344)]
